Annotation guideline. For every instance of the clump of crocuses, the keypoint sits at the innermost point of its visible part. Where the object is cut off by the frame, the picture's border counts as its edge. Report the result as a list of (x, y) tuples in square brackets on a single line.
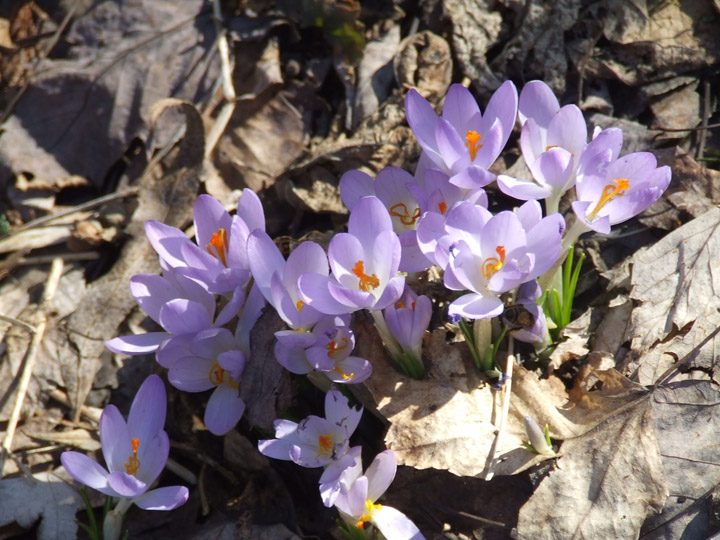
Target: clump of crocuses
[(498, 264)]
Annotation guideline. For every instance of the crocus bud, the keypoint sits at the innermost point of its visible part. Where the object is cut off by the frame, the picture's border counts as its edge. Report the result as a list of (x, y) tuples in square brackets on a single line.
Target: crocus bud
[(538, 439)]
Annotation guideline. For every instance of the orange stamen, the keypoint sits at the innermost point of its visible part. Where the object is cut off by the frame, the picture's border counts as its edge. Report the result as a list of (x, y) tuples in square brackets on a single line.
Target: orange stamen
[(366, 282), (299, 305), (491, 265), (217, 376), (551, 147), (133, 463), (609, 193), (218, 246), (332, 348), (343, 374), (473, 143), (443, 207), (399, 305), (367, 514), (325, 444), (405, 217)]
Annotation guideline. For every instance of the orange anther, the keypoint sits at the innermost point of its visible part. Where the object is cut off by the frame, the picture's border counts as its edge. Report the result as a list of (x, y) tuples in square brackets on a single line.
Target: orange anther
[(218, 246), (491, 265), (400, 210), (609, 193), (133, 463), (473, 143), (332, 347), (366, 282), (443, 207)]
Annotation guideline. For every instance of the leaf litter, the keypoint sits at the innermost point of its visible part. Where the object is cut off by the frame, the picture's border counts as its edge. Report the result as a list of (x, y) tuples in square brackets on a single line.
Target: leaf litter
[(622, 436)]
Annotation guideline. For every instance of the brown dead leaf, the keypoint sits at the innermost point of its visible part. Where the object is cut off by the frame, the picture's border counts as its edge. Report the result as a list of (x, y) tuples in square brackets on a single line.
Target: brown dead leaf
[(677, 283), (607, 481), (424, 62)]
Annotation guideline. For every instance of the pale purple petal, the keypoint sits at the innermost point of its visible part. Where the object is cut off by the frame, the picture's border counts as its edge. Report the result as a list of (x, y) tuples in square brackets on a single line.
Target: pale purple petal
[(152, 292), (210, 216), (350, 370), (191, 374), (265, 259), (126, 485), (472, 177), (554, 169), (292, 358), (537, 101), (115, 439), (393, 290), (394, 524), (164, 498), (153, 456), (354, 185), (250, 210), (339, 412), (86, 471), (352, 501), (147, 412), (567, 129), (476, 306), (451, 146), (600, 224), (182, 316), (224, 409), (380, 474), (367, 220), (543, 241), (137, 344), (167, 241), (422, 120), (314, 291)]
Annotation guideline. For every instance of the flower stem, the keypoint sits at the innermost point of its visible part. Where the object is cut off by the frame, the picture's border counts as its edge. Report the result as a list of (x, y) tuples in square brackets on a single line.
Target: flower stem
[(112, 526)]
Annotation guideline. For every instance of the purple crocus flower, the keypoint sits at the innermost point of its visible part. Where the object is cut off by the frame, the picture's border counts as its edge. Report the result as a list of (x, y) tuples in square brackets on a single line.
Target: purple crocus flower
[(315, 441), (552, 141), (213, 360), (463, 142), (526, 319), (277, 279), (135, 453), (407, 321), (393, 187), (358, 493), (490, 254), (220, 257), (181, 306), (610, 193), (364, 263), (331, 355)]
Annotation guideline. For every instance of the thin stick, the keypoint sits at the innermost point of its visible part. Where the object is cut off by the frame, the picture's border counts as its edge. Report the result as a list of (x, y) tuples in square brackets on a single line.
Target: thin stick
[(497, 445), (51, 286), (228, 89), (12, 320)]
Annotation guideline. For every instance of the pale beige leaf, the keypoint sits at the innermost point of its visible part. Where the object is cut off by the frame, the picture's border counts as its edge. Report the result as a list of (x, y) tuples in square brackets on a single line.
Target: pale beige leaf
[(606, 483), (676, 281), (77, 438)]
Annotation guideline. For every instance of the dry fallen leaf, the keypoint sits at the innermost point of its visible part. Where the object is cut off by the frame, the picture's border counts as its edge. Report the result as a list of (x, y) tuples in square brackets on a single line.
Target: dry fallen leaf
[(47, 496), (677, 283), (606, 483)]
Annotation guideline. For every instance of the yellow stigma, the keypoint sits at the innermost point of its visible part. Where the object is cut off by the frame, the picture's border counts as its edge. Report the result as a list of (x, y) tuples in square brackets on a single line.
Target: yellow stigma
[(400, 210), (133, 463), (473, 143), (367, 514), (366, 282), (344, 375), (609, 193), (218, 246), (217, 376), (491, 265), (332, 347)]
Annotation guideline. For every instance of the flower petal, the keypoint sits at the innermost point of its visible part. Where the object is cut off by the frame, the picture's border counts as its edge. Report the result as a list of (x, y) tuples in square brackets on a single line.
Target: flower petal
[(147, 412), (224, 409), (86, 471), (126, 485), (164, 498), (394, 524), (380, 474), (115, 439), (137, 344)]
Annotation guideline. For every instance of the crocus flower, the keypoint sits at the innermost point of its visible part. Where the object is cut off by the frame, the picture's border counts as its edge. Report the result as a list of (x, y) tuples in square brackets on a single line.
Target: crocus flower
[(552, 141), (463, 142), (315, 441), (213, 361), (615, 192), (407, 321), (364, 263), (181, 306), (358, 493), (331, 355), (277, 279), (490, 254), (291, 345), (135, 453), (220, 257), (392, 187)]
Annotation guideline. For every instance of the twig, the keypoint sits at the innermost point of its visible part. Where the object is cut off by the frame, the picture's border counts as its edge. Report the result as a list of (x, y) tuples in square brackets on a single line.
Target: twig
[(12, 320), (702, 139), (497, 444), (51, 286), (79, 208), (228, 89), (91, 414)]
